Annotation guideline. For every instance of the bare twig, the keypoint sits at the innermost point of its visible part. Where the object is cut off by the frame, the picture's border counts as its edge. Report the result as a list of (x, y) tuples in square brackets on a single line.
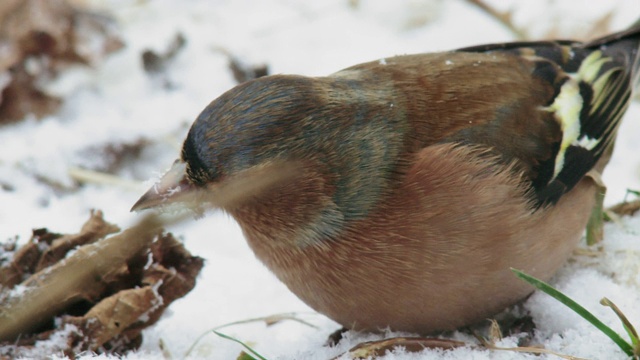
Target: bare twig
[(504, 18), (97, 177)]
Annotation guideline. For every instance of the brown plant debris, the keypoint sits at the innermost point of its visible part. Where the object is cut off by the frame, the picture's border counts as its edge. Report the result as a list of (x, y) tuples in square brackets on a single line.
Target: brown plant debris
[(89, 292), (111, 157), (244, 72), (375, 349), (38, 39), (595, 29), (154, 62), (626, 208)]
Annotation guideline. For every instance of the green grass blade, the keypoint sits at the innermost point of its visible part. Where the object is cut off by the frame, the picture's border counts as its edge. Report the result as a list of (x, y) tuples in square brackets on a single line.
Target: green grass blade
[(595, 226), (630, 329), (578, 309), (244, 356), (268, 320), (247, 347)]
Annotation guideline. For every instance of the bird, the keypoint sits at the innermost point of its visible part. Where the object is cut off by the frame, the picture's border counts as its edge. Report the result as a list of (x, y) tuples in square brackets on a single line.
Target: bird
[(398, 193)]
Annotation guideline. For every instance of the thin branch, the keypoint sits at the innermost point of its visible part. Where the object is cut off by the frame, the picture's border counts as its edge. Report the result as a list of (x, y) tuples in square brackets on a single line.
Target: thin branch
[(503, 18)]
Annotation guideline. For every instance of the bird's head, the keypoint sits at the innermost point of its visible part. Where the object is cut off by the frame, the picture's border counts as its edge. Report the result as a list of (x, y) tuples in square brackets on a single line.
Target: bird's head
[(329, 145), (242, 143)]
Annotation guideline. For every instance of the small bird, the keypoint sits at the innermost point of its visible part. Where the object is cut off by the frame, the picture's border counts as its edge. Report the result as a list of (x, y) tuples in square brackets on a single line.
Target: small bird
[(398, 193)]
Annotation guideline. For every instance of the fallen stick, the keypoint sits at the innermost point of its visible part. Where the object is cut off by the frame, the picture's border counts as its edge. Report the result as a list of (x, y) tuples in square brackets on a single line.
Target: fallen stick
[(87, 271)]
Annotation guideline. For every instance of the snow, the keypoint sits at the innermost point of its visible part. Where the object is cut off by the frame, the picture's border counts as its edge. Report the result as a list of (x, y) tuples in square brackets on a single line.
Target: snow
[(116, 102)]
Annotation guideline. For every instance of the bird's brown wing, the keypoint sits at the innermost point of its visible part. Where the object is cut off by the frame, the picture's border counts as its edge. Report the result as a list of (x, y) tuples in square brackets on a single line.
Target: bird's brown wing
[(592, 85)]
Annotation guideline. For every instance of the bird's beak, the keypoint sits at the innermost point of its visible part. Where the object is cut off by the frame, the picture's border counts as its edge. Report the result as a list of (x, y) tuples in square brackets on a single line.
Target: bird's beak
[(171, 188), (174, 187)]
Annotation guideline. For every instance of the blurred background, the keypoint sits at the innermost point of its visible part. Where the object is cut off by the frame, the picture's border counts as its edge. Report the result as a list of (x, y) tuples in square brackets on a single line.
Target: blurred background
[(97, 96)]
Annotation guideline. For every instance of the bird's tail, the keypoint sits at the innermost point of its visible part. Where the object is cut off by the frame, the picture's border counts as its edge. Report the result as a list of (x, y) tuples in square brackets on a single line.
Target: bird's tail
[(624, 47)]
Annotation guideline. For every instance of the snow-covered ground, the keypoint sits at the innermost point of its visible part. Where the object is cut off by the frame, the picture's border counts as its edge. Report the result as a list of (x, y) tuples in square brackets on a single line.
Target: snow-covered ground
[(116, 102)]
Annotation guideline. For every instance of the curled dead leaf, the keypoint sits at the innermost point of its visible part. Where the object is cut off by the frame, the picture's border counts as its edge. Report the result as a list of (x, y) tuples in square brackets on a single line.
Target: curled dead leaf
[(103, 290)]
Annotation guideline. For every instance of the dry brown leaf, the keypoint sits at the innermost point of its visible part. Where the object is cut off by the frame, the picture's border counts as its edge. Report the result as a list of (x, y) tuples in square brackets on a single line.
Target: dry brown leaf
[(107, 291), (46, 248), (108, 319), (21, 96), (39, 38), (93, 230), (625, 208)]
